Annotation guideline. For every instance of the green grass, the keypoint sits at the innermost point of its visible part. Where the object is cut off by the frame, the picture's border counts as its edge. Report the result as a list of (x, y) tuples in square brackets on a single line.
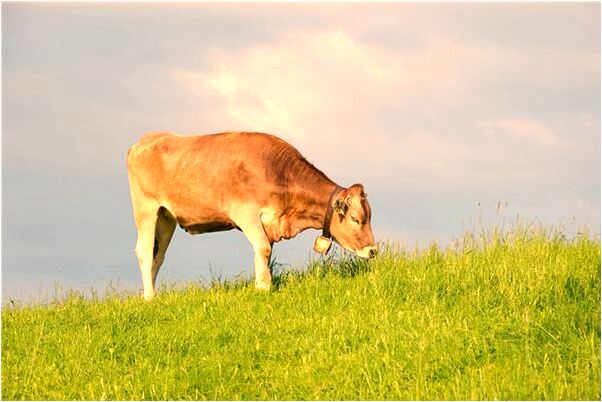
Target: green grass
[(500, 316)]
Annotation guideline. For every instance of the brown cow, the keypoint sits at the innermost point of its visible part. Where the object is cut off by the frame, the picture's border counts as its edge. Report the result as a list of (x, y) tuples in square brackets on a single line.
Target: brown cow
[(253, 182)]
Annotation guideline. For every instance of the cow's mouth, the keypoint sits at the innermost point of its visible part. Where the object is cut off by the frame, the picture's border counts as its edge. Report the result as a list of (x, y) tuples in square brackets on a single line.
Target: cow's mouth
[(367, 252)]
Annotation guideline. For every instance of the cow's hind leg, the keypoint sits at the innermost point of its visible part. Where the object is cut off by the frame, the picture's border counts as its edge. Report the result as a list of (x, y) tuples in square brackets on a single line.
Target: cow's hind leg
[(262, 247), (146, 221), (164, 229)]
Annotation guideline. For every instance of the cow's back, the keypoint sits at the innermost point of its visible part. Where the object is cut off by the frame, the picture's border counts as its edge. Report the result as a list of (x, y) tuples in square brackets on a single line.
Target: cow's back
[(204, 177)]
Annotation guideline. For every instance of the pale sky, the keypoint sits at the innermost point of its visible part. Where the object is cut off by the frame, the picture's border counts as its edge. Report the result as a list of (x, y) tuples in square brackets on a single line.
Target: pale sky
[(436, 108)]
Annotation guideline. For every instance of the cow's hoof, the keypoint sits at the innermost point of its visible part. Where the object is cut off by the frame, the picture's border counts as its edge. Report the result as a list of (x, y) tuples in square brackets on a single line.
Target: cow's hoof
[(263, 286)]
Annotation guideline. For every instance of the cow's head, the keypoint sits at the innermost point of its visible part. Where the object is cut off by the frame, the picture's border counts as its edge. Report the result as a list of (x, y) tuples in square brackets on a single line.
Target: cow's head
[(350, 225)]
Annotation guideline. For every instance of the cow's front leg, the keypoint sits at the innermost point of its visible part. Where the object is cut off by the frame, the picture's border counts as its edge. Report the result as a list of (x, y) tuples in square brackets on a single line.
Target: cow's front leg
[(262, 249), (263, 277)]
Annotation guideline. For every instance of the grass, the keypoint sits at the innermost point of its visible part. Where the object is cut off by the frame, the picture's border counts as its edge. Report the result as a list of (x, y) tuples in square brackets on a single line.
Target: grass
[(512, 315)]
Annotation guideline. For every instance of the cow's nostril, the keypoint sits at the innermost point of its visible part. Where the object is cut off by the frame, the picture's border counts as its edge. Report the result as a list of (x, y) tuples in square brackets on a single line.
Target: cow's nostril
[(373, 252)]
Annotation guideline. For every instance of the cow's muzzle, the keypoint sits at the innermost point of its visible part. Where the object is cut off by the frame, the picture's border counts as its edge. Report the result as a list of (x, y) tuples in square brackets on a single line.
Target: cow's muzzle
[(367, 252)]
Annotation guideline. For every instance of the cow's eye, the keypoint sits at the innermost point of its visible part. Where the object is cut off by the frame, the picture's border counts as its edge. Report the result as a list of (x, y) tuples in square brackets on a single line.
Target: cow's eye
[(355, 220)]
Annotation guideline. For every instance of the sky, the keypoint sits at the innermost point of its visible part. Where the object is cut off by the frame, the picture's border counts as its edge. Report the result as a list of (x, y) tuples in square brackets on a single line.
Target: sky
[(442, 111)]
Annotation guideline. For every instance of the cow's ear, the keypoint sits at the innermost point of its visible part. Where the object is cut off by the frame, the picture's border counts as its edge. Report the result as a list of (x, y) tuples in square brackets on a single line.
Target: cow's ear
[(340, 206)]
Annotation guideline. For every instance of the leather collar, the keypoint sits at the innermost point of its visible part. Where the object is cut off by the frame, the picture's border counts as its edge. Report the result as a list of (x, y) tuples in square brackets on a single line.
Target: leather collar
[(329, 211)]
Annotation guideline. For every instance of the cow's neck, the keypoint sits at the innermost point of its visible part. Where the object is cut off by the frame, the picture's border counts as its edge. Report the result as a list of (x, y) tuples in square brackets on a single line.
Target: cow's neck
[(313, 202)]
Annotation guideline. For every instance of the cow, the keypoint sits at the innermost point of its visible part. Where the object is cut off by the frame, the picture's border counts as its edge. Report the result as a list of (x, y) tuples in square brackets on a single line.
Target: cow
[(253, 182)]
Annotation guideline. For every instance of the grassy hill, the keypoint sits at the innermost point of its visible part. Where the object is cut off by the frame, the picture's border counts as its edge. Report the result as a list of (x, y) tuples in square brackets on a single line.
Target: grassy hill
[(498, 316)]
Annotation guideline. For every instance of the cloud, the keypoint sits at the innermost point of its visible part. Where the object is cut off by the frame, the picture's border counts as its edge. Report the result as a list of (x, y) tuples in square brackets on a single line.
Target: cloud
[(431, 116), (313, 84), (287, 87), (517, 132)]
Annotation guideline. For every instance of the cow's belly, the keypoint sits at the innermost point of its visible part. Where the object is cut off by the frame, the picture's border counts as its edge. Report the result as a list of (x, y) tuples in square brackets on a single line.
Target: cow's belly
[(203, 220), (207, 227)]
